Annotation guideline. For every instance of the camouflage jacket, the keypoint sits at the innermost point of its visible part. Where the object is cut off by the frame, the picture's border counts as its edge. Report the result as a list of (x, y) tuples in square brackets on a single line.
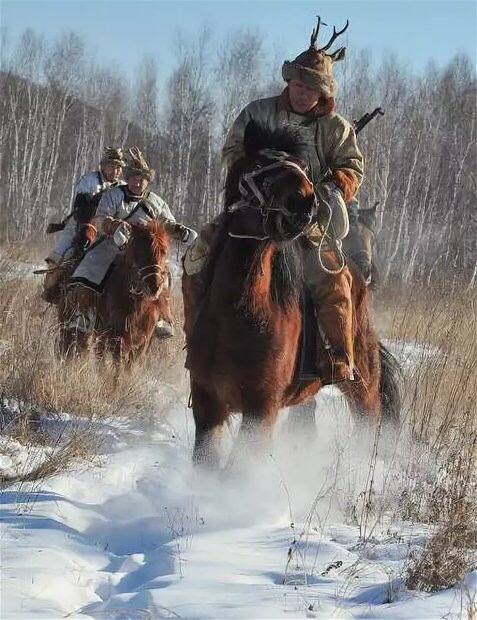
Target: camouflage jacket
[(332, 140), (117, 203)]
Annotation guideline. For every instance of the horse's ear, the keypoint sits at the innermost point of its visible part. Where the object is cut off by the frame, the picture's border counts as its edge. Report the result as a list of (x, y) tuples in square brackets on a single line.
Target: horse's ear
[(368, 217)]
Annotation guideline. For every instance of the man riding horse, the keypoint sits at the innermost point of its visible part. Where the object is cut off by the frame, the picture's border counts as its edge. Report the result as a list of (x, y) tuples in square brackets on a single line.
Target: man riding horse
[(134, 203), (335, 167), (91, 184)]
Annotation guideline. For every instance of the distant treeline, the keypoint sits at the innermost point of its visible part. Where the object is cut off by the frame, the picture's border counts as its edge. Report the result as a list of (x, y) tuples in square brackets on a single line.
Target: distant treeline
[(57, 112)]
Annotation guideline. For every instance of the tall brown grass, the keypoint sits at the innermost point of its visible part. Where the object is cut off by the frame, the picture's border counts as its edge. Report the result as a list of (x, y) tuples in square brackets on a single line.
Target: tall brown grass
[(36, 385), (436, 482)]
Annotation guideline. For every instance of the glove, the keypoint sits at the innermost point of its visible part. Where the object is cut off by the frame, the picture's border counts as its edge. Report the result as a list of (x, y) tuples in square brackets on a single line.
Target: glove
[(122, 234), (110, 225), (181, 232), (118, 229), (332, 214)]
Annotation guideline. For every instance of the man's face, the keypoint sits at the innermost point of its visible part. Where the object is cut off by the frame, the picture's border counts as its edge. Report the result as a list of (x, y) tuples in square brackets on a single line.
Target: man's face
[(111, 171), (302, 98), (137, 184)]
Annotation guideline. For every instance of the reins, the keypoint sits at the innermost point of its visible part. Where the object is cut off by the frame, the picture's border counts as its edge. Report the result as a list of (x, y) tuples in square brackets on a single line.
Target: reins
[(254, 198)]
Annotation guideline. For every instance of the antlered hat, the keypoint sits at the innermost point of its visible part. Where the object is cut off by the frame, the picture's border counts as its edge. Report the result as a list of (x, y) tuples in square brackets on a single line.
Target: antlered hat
[(138, 165), (314, 67)]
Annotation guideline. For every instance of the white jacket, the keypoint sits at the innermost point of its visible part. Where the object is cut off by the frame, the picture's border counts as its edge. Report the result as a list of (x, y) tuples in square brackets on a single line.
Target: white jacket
[(117, 203), (90, 183)]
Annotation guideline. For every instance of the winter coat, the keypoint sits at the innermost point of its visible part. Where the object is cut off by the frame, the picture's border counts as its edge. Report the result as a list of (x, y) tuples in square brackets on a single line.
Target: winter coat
[(332, 140), (90, 183), (118, 204)]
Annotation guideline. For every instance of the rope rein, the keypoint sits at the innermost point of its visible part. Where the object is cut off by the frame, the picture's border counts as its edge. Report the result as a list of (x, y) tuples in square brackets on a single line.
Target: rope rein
[(253, 198)]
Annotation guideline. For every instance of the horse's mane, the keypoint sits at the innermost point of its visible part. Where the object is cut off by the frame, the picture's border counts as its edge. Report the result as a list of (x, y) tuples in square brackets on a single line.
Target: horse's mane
[(147, 240), (153, 231), (290, 138), (257, 137), (286, 263), (84, 208)]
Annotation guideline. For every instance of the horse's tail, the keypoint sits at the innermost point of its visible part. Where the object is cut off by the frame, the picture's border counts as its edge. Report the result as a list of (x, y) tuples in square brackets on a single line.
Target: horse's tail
[(389, 387)]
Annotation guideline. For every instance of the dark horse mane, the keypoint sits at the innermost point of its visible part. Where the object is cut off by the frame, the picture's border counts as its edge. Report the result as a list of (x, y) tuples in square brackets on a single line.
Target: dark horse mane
[(290, 139), (287, 257)]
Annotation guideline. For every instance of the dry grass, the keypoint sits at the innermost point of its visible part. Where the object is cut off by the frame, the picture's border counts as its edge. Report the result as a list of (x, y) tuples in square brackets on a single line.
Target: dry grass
[(436, 478), (441, 384), (36, 387), (448, 555)]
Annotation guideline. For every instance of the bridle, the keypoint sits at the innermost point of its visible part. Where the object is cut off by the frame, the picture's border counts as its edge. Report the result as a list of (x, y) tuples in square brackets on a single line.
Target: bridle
[(253, 197), (140, 275), (253, 192)]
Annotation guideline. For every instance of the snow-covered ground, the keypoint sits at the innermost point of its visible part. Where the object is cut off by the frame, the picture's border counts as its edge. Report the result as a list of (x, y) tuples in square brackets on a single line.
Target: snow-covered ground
[(140, 534)]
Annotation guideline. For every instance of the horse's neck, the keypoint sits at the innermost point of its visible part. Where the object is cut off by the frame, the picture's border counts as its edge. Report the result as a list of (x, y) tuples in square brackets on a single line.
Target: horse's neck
[(250, 278), (125, 269)]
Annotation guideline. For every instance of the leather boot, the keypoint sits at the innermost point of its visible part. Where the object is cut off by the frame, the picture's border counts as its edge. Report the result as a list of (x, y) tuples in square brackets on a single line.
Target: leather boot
[(51, 283), (82, 302), (331, 294)]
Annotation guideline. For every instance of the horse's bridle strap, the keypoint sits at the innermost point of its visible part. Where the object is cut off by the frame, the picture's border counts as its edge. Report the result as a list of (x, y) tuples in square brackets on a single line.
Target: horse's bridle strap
[(248, 179)]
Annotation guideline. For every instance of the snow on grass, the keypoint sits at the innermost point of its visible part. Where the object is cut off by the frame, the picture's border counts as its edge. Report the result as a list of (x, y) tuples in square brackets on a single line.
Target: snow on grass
[(140, 534)]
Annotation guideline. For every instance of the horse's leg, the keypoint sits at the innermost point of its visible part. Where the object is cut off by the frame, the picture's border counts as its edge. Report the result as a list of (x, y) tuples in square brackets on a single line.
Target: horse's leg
[(72, 343), (120, 355), (375, 397), (64, 343), (209, 416), (255, 435), (301, 419), (65, 339), (362, 396), (375, 394)]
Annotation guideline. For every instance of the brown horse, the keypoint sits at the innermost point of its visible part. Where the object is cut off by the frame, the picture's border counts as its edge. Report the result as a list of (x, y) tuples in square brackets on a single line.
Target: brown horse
[(134, 296), (243, 327)]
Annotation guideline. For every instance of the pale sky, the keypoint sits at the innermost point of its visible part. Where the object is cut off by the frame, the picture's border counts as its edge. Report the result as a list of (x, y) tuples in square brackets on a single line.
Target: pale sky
[(120, 33)]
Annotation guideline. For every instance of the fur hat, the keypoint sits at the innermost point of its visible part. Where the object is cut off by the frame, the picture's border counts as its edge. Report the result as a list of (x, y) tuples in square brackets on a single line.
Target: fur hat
[(138, 165), (113, 155), (314, 67)]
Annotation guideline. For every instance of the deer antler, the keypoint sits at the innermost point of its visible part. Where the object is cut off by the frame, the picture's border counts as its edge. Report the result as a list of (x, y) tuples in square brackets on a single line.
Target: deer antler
[(138, 157), (334, 36), (314, 34)]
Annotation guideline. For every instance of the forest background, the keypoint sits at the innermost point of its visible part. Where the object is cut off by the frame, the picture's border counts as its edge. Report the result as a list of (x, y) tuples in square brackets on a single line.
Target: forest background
[(58, 109)]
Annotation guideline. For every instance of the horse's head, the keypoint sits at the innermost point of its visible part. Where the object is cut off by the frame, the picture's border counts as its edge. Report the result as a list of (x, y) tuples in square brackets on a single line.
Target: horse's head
[(147, 255), (268, 188)]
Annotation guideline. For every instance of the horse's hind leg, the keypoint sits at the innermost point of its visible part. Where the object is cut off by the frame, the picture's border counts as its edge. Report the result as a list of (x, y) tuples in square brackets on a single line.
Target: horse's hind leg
[(209, 416)]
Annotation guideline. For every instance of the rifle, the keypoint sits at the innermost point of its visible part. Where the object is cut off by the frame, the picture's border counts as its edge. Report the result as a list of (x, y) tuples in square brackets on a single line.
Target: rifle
[(366, 118)]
